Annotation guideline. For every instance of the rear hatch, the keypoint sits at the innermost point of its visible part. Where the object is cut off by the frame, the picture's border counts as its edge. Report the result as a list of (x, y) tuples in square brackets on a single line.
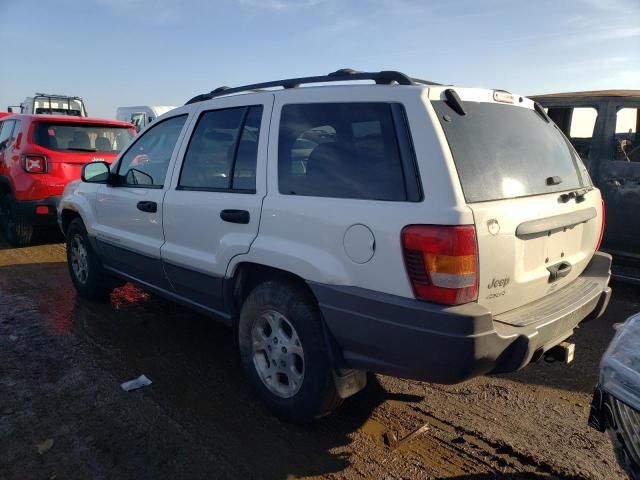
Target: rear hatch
[(67, 146), (537, 216)]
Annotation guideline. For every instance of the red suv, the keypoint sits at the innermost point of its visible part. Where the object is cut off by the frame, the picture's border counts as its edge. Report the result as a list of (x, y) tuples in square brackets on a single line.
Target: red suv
[(39, 155)]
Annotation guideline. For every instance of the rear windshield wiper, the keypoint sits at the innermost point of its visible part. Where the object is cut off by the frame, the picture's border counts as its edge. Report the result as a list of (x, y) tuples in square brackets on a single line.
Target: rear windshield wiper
[(577, 194), (81, 149)]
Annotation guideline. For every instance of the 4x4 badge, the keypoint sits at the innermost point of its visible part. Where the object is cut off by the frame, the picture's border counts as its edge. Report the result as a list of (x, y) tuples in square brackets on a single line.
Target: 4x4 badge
[(493, 226)]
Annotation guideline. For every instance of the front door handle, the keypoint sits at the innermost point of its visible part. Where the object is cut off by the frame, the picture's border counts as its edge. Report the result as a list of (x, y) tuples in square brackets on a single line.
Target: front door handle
[(235, 216), (151, 207)]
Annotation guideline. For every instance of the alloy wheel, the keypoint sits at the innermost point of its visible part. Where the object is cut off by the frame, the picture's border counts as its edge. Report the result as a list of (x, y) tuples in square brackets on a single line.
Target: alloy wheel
[(278, 355)]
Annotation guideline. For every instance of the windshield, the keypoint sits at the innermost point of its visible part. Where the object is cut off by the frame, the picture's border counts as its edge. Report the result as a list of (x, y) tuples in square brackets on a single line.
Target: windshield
[(59, 106), (504, 151), (86, 137)]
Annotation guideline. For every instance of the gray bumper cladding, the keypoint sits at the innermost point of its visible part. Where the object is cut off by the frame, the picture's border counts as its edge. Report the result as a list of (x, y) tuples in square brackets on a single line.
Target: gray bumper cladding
[(413, 339)]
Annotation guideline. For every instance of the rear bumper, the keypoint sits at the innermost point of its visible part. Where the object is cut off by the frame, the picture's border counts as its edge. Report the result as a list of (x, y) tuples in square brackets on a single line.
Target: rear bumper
[(414, 339), (27, 210)]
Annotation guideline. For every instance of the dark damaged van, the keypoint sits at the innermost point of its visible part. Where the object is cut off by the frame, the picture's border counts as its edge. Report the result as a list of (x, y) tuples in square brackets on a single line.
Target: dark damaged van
[(603, 127)]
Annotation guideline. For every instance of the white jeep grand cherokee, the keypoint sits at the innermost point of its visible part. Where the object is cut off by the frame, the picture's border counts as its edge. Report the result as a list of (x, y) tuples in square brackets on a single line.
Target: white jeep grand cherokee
[(406, 228)]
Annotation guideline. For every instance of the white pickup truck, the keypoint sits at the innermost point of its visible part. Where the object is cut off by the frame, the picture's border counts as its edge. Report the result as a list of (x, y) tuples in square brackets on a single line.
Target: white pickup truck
[(51, 104)]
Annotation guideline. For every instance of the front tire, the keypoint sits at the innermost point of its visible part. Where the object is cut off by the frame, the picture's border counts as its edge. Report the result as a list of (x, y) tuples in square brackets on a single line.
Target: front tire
[(283, 352), (85, 268), (17, 231)]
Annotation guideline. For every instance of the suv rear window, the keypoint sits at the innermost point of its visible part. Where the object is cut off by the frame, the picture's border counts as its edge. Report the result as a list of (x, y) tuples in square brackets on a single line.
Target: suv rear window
[(85, 137), (346, 150), (505, 151)]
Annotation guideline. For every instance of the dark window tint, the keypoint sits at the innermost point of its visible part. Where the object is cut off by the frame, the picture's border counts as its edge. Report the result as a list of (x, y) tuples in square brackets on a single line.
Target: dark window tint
[(505, 151), (81, 137), (147, 161), (343, 150), (222, 151)]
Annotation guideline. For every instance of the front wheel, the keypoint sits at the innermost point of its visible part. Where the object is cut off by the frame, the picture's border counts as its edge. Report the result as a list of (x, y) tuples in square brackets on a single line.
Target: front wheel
[(283, 352), (85, 268)]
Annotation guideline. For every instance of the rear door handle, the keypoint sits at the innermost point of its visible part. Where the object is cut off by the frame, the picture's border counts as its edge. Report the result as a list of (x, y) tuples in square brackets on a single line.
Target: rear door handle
[(235, 216), (151, 207)]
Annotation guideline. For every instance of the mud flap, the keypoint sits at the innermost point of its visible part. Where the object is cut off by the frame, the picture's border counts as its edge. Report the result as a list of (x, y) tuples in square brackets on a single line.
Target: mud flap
[(349, 382)]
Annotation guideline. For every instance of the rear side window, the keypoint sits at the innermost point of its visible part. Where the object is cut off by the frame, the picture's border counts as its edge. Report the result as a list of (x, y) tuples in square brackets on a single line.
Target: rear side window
[(346, 150), (626, 135), (505, 151), (81, 137), (222, 152), (577, 123)]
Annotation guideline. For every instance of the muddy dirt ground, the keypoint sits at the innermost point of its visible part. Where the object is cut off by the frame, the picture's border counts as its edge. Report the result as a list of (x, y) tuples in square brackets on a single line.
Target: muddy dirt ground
[(63, 414)]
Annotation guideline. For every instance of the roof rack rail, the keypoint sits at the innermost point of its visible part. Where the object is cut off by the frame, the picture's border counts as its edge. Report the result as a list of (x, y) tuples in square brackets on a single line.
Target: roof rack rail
[(54, 95), (385, 77)]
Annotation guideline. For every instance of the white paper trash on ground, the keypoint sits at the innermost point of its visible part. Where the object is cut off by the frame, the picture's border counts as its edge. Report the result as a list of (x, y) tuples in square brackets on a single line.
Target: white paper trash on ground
[(141, 381)]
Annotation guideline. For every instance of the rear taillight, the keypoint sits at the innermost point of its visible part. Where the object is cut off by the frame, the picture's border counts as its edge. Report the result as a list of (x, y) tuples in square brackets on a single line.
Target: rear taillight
[(442, 262), (601, 227), (34, 163)]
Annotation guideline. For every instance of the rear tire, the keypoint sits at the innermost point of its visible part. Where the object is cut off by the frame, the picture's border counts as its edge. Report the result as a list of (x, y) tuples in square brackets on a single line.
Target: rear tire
[(283, 352), (85, 268), (17, 231)]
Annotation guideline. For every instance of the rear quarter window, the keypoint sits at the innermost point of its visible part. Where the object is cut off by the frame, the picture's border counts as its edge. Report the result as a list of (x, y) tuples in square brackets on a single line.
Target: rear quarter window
[(346, 150)]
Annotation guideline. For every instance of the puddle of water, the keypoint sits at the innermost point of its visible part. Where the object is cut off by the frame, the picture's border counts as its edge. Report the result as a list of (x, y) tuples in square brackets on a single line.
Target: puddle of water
[(374, 429)]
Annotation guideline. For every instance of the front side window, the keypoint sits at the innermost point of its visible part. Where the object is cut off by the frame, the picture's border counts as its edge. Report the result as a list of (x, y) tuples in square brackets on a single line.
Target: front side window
[(626, 136), (81, 137), (138, 120), (341, 150), (578, 124), (222, 151), (147, 160)]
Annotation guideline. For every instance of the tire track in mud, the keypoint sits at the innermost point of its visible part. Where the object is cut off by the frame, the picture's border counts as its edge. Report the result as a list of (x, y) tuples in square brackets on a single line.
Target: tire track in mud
[(523, 434)]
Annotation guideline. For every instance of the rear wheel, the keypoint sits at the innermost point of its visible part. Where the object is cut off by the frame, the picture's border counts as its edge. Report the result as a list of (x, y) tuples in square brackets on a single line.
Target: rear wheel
[(283, 352), (87, 274), (17, 231)]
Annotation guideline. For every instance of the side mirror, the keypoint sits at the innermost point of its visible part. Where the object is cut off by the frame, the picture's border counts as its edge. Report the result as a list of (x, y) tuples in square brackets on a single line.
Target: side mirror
[(95, 172), (10, 109)]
